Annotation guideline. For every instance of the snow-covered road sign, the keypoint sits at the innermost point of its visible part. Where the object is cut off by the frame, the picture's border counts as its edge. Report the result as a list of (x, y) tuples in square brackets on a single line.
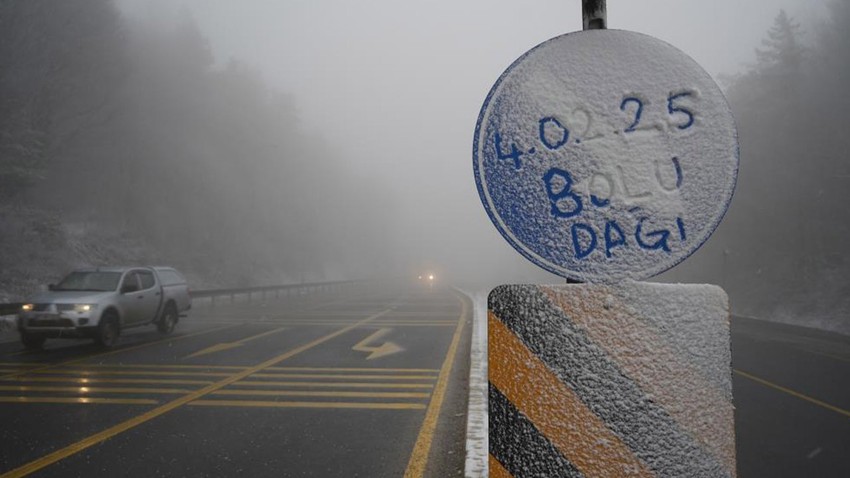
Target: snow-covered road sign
[(604, 155)]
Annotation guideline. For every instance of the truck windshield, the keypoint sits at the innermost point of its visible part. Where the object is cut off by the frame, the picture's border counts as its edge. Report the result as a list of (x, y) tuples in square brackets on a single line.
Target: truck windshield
[(93, 281)]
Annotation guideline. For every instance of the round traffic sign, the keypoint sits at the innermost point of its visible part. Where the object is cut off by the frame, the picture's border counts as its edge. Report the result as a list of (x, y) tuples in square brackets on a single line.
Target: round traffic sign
[(605, 155)]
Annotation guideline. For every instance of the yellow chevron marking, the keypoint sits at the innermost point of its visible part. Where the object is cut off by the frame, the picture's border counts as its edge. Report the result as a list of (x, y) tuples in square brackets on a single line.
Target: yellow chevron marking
[(555, 409)]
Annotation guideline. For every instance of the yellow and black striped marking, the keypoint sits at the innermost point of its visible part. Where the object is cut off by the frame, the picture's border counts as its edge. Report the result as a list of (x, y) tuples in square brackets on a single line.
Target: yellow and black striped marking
[(598, 381)]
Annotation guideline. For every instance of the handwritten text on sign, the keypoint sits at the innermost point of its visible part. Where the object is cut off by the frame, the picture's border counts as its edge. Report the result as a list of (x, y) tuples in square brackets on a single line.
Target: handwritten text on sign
[(598, 165)]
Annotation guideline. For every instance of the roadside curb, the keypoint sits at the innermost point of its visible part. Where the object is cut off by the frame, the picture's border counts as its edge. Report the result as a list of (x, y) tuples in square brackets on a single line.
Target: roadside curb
[(476, 422)]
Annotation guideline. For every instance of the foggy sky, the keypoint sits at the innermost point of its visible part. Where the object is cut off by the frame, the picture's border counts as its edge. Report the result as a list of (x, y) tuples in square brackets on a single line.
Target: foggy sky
[(395, 87)]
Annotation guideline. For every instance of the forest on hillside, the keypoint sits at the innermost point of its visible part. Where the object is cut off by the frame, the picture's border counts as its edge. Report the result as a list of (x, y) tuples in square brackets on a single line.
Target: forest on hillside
[(125, 141), (122, 141), (782, 250)]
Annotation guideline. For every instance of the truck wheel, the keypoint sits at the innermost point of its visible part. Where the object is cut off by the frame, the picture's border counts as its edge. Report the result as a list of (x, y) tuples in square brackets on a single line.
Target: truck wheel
[(108, 330), (31, 341), (168, 320)]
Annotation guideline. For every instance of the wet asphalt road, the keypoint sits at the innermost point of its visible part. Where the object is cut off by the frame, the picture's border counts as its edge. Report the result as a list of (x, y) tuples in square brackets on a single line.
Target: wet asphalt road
[(792, 396), (369, 382), (305, 399)]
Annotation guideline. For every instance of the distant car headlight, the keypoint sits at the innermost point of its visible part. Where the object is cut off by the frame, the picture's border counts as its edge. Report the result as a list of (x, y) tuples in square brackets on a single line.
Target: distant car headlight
[(27, 307), (84, 307)]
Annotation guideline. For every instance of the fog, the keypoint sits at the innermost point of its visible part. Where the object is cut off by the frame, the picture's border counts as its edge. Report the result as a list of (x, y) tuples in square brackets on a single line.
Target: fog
[(395, 88), (265, 141)]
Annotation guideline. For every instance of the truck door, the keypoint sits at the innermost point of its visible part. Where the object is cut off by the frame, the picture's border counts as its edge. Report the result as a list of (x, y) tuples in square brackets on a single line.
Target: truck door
[(139, 297), (151, 296), (130, 299)]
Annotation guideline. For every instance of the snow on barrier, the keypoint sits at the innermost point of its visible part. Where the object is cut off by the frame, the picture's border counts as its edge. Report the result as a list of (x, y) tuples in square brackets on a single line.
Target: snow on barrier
[(598, 380)]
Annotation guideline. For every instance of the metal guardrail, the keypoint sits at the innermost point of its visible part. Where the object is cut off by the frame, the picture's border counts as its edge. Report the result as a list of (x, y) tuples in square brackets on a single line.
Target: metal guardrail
[(213, 294), (265, 291), (9, 309)]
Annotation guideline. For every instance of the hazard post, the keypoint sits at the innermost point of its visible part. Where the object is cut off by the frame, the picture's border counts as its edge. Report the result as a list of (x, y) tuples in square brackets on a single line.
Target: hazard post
[(607, 157)]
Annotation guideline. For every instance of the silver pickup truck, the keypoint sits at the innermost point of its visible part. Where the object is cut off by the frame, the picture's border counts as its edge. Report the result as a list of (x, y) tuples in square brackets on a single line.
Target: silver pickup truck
[(101, 302)]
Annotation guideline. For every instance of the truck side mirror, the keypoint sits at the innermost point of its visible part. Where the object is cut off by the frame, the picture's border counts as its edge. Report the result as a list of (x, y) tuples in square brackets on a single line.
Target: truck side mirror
[(127, 288), (51, 286)]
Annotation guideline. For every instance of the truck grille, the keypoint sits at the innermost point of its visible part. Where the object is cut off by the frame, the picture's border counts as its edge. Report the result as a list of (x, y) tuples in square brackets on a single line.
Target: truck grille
[(50, 323)]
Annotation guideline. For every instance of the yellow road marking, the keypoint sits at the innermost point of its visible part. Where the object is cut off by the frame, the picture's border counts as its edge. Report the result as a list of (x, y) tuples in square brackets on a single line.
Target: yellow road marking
[(279, 393), (331, 324), (350, 377), (393, 320), (85, 372), (326, 324), (419, 458), (232, 345), (83, 381), (235, 367), (433, 371), (793, 393), (354, 369), (341, 315), (31, 388), (416, 321), (161, 366), (823, 354), (75, 400), (334, 384), (304, 393), (116, 351), (348, 405), (81, 445)]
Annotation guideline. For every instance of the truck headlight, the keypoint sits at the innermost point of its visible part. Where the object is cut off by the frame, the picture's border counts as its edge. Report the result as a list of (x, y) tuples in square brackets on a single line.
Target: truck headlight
[(27, 307), (84, 307)]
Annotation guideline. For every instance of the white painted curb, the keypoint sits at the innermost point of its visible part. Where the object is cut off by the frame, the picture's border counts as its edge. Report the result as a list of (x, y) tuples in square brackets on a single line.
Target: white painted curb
[(476, 418)]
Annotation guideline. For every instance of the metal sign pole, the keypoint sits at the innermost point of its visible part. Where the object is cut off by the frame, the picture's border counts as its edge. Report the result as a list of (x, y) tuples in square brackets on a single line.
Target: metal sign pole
[(595, 14)]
